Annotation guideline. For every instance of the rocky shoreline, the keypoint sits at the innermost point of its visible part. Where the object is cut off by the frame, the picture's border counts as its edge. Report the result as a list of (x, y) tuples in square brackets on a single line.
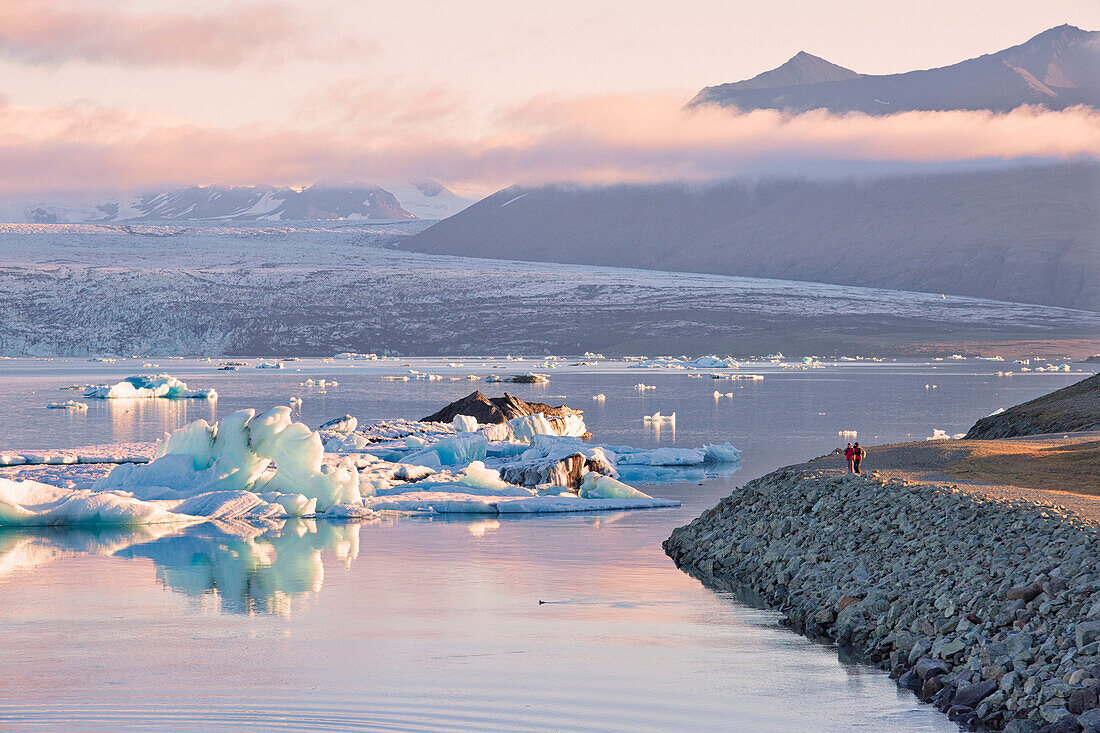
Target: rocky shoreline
[(989, 609)]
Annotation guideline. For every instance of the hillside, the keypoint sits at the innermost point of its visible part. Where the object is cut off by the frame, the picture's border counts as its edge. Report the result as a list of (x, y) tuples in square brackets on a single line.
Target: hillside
[(1072, 409), (1058, 68), (1025, 234)]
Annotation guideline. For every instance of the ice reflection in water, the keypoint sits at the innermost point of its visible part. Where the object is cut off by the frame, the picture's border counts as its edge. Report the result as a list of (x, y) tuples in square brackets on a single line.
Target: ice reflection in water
[(234, 568), (239, 568)]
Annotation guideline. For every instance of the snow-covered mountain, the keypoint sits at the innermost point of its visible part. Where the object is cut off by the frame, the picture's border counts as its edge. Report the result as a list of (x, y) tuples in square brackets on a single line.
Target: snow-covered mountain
[(429, 200), (1058, 68)]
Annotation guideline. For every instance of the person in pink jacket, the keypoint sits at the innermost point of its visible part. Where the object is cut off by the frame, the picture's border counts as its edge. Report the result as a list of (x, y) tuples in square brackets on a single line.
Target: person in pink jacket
[(849, 455), (858, 454)]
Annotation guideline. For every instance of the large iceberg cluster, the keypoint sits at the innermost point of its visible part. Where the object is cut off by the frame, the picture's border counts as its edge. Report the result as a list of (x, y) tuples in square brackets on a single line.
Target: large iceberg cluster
[(267, 467), (147, 386), (242, 467)]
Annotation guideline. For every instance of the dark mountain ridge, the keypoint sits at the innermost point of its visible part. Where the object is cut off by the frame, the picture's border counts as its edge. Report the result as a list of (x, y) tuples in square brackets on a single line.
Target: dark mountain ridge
[(1028, 234), (1056, 69)]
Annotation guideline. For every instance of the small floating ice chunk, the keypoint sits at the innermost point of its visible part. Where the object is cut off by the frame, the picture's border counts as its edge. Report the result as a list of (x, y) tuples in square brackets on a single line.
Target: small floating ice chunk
[(724, 453), (477, 476), (68, 405), (345, 424), (643, 387), (465, 423), (597, 486), (657, 417), (599, 397)]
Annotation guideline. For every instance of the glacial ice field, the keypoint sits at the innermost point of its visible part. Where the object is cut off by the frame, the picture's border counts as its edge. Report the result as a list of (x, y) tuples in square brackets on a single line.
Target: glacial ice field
[(440, 621), (321, 288)]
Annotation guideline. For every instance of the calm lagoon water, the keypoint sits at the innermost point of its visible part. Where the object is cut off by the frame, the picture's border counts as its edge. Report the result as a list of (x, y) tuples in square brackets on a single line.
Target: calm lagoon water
[(417, 623)]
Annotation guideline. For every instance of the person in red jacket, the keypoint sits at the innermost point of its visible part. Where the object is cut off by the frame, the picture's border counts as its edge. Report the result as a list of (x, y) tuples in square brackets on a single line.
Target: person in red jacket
[(849, 455), (858, 454)]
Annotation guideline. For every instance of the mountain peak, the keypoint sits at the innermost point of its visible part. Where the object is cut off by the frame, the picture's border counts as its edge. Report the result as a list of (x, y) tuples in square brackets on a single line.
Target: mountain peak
[(802, 68), (1057, 68)]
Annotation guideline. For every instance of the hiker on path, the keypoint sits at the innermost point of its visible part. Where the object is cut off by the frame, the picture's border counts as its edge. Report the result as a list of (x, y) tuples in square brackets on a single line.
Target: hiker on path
[(849, 455), (858, 454)]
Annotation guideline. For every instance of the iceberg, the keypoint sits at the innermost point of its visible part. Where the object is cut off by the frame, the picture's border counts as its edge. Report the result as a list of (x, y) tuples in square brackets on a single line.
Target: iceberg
[(235, 454), (149, 386), (724, 453), (598, 486), (713, 362), (464, 448), (345, 424), (657, 417), (29, 503), (68, 405), (465, 424)]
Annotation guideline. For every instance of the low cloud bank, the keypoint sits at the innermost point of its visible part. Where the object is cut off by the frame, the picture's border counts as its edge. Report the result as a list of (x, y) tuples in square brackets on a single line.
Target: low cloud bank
[(610, 139)]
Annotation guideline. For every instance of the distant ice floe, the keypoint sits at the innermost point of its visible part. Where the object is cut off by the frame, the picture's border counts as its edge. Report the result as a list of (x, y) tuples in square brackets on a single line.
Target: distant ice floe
[(149, 386), (657, 417), (68, 405), (525, 378), (938, 434)]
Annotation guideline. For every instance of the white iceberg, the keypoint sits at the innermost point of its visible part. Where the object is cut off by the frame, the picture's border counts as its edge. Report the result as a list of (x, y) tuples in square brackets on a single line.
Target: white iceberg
[(68, 405), (235, 455), (465, 424), (598, 486), (345, 424), (29, 503), (149, 386)]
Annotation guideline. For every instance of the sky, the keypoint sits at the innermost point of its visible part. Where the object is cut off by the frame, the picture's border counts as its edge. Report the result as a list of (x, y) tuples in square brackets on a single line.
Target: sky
[(118, 94)]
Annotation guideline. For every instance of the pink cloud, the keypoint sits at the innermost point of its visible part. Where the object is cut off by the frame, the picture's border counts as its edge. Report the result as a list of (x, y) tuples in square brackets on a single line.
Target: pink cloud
[(602, 140), (55, 31)]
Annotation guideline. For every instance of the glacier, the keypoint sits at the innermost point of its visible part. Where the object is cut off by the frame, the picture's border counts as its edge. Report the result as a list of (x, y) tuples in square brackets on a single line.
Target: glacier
[(234, 289)]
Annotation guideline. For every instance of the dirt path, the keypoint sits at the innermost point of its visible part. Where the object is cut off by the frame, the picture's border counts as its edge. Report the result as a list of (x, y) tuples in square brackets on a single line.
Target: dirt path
[(1056, 469)]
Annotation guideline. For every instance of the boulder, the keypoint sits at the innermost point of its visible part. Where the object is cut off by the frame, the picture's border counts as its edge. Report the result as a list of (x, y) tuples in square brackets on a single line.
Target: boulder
[(1090, 721), (1025, 593), (971, 695)]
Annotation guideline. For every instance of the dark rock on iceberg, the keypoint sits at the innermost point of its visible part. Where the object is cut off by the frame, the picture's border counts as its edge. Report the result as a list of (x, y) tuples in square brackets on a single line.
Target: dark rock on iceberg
[(489, 410)]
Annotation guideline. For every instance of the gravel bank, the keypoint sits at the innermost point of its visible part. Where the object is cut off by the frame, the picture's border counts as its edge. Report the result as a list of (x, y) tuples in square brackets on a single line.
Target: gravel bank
[(990, 609)]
